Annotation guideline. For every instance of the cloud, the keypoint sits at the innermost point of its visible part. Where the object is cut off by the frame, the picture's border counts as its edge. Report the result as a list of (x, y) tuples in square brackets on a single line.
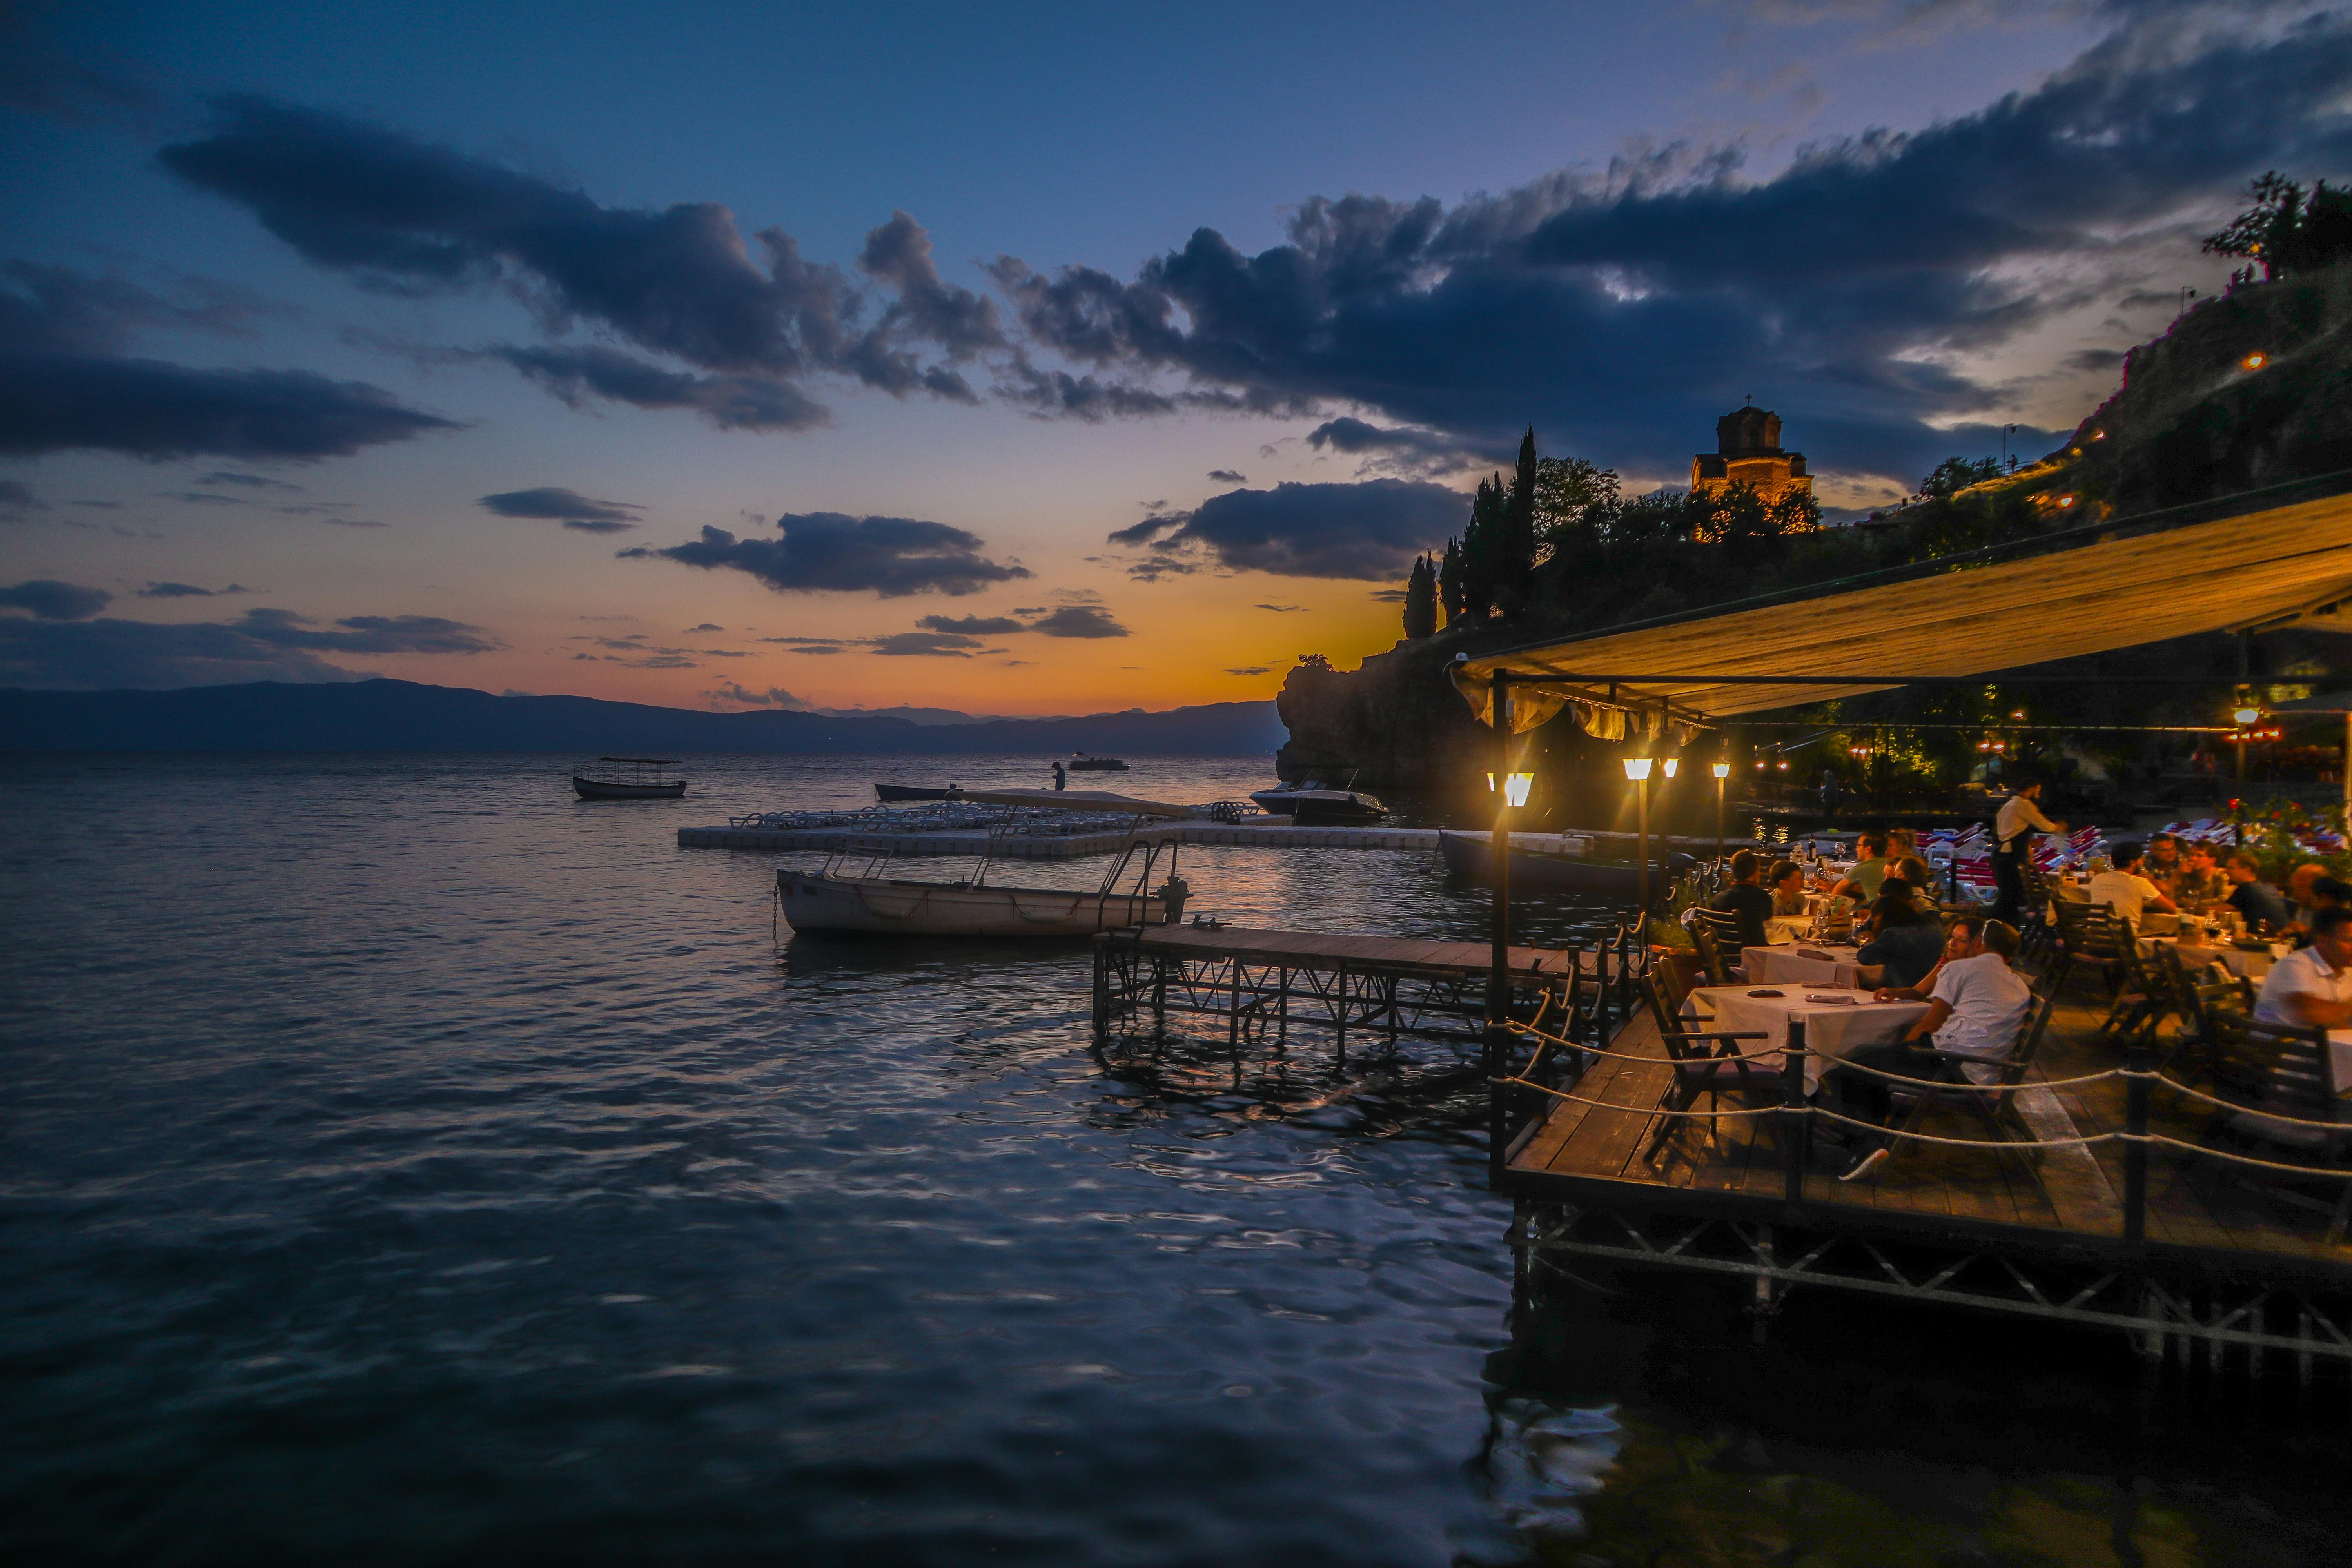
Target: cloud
[(1389, 596), (51, 600), (65, 385), (1279, 609), (1250, 669), (773, 696), (577, 375), (1371, 530), (17, 502), (1079, 621), (925, 645), (1622, 309), (585, 513), (251, 481), (1404, 450), (973, 626), (260, 645), (408, 216), (705, 626), (188, 591), (1228, 476), (828, 552)]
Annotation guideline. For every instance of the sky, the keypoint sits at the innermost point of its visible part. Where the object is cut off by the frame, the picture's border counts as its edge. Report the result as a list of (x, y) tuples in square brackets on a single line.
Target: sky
[(1021, 360)]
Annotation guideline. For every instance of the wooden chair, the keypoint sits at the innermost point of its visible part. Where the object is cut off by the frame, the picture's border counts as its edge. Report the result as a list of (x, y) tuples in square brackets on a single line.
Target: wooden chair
[(2144, 996), (1710, 953), (2090, 937), (1704, 1062), (1949, 1081), (2283, 1097)]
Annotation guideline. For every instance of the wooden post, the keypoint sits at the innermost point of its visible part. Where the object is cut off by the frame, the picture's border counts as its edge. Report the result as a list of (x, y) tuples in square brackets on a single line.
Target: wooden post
[(2135, 1060), (1795, 1144), (1498, 977)]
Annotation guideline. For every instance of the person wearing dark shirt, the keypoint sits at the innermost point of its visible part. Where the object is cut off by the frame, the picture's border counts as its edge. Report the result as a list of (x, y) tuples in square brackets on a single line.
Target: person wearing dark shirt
[(1786, 882), (2258, 902), (1747, 898), (1905, 943)]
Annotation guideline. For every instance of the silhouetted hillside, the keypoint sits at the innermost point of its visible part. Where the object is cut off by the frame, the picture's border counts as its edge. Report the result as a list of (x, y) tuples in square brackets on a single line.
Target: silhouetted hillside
[(403, 715)]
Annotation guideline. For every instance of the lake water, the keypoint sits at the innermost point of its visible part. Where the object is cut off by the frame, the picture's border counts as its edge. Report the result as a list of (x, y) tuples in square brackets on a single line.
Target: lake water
[(403, 1162)]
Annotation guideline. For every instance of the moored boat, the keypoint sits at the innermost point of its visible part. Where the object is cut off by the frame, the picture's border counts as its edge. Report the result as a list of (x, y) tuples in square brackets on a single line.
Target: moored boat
[(1081, 763), (628, 778), (1311, 805), (912, 792), (1541, 871)]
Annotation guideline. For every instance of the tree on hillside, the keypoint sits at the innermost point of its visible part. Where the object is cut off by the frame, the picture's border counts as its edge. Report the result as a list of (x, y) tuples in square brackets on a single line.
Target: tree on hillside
[(2286, 233), (1482, 549), (1954, 475), (1449, 582), (1515, 554), (1420, 599), (1575, 500)]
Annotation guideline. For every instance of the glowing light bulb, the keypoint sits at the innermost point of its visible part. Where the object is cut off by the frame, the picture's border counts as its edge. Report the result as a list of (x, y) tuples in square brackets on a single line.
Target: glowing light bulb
[(1723, 770), (1637, 769)]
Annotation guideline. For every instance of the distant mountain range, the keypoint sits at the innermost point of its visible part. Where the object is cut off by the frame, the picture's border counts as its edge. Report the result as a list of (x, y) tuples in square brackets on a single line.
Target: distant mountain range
[(403, 715)]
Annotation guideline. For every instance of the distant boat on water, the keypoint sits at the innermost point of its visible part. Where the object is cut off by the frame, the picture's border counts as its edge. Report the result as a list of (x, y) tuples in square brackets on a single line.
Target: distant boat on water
[(913, 792), (1083, 763), (628, 778)]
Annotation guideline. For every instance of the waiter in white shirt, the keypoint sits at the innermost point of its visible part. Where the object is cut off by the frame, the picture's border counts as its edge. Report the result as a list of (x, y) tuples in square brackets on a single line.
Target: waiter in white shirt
[(2013, 832)]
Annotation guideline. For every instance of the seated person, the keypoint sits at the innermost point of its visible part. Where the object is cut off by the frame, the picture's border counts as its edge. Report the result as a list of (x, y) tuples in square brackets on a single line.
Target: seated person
[(2299, 883), (1904, 944), (2164, 864), (1956, 946), (1974, 1009), (2312, 988), (2257, 903), (2200, 884), (1901, 843), (1786, 882), (2327, 893), (2123, 890), (1747, 898), (1921, 880), (1870, 868)]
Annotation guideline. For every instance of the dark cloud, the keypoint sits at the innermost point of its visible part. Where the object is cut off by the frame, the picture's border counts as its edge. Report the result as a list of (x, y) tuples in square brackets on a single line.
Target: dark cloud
[(188, 591), (925, 645), (829, 552), (585, 513), (1250, 669), (17, 500), (973, 626), (66, 385), (705, 626), (773, 696), (1623, 310), (730, 402), (251, 481), (1371, 530), (1079, 621), (1404, 449), (1228, 476), (51, 600), (203, 498), (1279, 609), (409, 217), (1389, 596), (260, 645)]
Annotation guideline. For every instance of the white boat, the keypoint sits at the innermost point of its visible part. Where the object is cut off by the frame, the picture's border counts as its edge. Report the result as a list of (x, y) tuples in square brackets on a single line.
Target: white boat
[(839, 901), (1312, 805)]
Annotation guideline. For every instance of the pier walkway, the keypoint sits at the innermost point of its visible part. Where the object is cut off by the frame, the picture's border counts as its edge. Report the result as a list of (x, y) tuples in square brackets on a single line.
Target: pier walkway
[(1073, 846)]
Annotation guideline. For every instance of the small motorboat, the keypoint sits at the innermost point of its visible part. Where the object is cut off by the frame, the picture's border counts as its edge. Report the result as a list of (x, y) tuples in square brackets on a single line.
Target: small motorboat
[(1542, 871), (1081, 763), (1311, 805), (628, 778), (913, 792), (839, 900)]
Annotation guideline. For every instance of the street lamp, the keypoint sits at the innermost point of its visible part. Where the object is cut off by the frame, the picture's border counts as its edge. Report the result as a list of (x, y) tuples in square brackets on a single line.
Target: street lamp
[(1514, 787), (1722, 771), (1637, 770)]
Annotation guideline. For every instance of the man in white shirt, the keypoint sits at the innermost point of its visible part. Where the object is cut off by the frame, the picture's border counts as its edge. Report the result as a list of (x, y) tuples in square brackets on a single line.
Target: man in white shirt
[(2312, 989), (1975, 1008), (2125, 890), (2012, 832)]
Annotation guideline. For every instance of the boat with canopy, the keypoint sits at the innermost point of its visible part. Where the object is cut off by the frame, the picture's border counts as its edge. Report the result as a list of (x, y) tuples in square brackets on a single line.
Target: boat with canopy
[(853, 896), (628, 778)]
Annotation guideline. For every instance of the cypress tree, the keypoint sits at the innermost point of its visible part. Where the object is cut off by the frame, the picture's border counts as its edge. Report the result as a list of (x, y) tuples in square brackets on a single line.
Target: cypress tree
[(1420, 600), (1480, 550), (1449, 582), (1514, 536)]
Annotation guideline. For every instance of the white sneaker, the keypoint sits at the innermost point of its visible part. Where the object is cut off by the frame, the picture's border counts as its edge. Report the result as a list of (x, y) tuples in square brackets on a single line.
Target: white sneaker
[(1866, 1164)]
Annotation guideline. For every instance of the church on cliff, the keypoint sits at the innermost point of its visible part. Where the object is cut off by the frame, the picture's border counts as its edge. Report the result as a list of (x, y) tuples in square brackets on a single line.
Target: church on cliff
[(1748, 451)]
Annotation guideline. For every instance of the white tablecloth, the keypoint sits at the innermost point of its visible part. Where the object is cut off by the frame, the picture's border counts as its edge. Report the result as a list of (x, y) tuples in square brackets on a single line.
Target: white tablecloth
[(1834, 1029), (1788, 928), (1788, 966), (2237, 961)]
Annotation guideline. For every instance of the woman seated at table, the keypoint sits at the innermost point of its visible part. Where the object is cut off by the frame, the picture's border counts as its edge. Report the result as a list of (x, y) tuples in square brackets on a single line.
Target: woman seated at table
[(1921, 880), (1904, 945), (1786, 882), (1956, 946)]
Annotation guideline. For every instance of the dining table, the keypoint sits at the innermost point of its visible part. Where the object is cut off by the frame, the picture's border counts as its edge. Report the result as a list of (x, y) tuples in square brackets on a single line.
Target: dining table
[(1839, 1020), (1801, 963), (2247, 963)]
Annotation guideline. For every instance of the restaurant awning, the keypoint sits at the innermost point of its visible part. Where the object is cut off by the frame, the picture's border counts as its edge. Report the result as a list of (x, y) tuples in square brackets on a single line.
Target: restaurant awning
[(2091, 590)]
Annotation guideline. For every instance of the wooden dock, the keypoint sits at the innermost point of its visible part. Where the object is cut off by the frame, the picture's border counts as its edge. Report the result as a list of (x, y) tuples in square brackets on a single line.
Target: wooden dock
[(2208, 1260), (1076, 845)]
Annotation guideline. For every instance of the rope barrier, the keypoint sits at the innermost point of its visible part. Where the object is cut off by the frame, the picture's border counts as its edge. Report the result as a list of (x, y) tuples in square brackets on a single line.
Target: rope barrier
[(1643, 1110), (1884, 1130), (2338, 1174)]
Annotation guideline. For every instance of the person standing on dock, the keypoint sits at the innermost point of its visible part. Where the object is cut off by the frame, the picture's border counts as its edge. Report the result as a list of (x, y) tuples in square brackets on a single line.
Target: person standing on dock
[(1061, 779), (2012, 839)]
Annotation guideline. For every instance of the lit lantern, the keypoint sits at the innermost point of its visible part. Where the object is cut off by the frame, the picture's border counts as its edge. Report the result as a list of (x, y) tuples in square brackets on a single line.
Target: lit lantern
[(1514, 787)]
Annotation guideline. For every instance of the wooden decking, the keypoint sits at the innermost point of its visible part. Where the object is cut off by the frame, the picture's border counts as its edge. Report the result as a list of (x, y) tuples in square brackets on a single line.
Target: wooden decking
[(2071, 1199), (1318, 950)]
